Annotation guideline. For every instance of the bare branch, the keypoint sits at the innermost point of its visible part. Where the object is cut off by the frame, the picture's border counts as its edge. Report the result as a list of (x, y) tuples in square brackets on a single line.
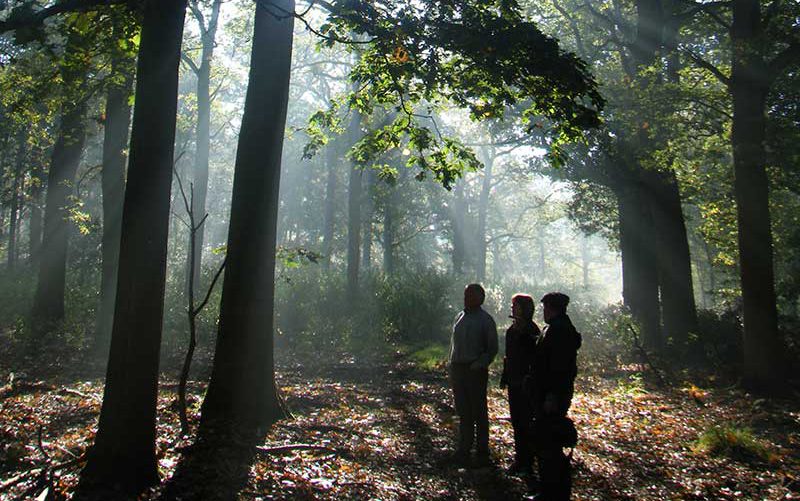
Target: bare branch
[(708, 66)]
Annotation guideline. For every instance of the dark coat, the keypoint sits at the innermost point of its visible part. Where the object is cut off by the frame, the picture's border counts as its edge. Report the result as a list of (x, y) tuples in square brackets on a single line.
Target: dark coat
[(520, 348), (555, 364)]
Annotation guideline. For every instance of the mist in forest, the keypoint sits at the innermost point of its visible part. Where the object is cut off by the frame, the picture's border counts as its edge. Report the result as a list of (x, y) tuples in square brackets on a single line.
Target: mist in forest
[(219, 211)]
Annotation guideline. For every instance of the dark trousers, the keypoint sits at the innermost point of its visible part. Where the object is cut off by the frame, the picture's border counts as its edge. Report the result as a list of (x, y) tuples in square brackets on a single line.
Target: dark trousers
[(519, 404), (555, 471), (469, 391)]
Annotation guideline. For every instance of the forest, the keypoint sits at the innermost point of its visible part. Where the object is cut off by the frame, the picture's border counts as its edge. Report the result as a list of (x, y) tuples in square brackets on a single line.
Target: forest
[(237, 239)]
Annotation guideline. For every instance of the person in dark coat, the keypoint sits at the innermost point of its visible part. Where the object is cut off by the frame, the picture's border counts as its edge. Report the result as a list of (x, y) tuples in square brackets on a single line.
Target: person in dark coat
[(554, 371), (517, 365)]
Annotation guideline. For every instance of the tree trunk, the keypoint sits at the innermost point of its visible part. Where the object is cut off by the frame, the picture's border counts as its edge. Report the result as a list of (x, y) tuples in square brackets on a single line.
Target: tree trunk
[(22, 138), (48, 303), (123, 454), (369, 208), (457, 219), (353, 213), (330, 205), (679, 312), (35, 224), (483, 214), (115, 139), (388, 230), (209, 34), (242, 388), (639, 263), (762, 367)]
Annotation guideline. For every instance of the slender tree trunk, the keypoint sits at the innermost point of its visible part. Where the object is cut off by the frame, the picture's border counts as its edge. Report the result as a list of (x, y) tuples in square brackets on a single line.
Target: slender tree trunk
[(388, 231), (483, 214), (48, 303), (762, 364), (330, 205), (369, 208), (115, 141), (123, 454), (203, 141), (457, 219), (22, 138), (353, 213), (639, 263), (242, 388), (585, 261), (36, 221)]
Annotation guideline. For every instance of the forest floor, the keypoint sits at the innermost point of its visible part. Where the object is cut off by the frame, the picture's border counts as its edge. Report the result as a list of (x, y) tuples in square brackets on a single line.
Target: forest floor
[(386, 431)]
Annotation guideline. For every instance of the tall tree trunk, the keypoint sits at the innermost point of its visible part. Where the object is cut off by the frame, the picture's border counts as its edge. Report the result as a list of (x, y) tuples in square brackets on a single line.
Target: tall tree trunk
[(36, 222), (242, 388), (203, 141), (124, 450), (115, 140), (353, 213), (639, 262), (483, 214), (679, 312), (22, 138), (457, 220), (751, 187), (48, 303), (369, 208), (331, 161), (388, 231)]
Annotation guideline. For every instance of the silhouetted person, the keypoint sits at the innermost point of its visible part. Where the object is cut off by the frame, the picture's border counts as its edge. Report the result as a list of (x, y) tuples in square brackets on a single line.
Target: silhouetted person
[(517, 366), (473, 346), (554, 371)]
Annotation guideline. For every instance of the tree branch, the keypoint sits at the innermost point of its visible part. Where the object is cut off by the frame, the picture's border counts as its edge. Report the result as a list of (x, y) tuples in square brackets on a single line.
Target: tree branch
[(788, 57), (708, 66), (15, 22), (188, 60)]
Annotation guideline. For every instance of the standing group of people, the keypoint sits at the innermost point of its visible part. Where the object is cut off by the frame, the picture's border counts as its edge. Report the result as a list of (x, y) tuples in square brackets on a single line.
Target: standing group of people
[(539, 370)]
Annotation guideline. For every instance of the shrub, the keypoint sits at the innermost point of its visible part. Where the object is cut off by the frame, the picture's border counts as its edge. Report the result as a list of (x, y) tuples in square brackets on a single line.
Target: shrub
[(734, 442)]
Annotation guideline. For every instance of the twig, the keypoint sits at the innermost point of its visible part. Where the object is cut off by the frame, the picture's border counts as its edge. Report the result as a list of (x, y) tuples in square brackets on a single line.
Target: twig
[(645, 356), (77, 393), (294, 447)]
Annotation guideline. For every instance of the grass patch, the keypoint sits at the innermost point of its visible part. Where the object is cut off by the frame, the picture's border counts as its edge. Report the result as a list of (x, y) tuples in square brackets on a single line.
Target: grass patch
[(733, 442), (431, 356)]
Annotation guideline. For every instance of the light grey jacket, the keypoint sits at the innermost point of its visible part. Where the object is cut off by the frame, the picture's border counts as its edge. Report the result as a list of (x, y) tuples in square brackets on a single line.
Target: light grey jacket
[(474, 338)]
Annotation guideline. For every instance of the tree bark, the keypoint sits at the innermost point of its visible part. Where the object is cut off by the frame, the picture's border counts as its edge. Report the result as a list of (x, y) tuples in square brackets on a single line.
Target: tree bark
[(639, 262), (13, 230), (123, 454), (679, 312), (36, 222), (48, 303), (115, 140), (203, 141), (762, 367), (388, 231), (483, 215), (330, 205), (242, 388), (369, 209), (457, 221)]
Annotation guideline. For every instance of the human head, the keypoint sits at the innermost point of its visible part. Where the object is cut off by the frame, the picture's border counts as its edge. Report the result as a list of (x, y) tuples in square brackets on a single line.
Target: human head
[(555, 304), (522, 307), (474, 295)]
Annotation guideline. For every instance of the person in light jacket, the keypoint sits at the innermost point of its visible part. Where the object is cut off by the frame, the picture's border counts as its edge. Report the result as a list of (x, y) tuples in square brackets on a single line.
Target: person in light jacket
[(473, 346)]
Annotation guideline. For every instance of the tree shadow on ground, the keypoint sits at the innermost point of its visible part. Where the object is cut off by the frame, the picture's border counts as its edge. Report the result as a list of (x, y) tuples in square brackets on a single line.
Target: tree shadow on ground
[(432, 447), (216, 467)]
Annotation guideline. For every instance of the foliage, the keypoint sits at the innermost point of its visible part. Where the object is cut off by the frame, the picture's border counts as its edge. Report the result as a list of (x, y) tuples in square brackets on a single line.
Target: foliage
[(417, 58), (735, 442)]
